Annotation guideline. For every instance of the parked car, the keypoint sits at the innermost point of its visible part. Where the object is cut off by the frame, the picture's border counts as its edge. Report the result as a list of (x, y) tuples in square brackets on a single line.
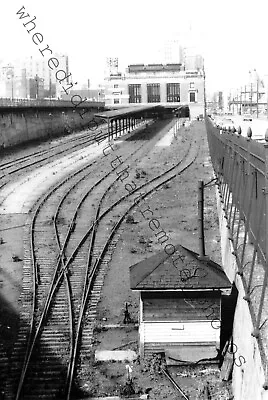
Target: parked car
[(225, 123), (247, 117)]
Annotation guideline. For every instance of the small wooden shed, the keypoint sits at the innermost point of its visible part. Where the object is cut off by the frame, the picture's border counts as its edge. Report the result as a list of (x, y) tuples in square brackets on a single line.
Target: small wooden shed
[(180, 304)]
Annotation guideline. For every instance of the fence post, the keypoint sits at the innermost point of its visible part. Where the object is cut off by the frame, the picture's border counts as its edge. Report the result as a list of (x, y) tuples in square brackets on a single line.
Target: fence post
[(265, 385), (266, 199), (250, 180), (256, 331)]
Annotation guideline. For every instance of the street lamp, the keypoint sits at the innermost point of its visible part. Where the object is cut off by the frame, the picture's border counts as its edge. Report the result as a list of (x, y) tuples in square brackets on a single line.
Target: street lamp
[(257, 89)]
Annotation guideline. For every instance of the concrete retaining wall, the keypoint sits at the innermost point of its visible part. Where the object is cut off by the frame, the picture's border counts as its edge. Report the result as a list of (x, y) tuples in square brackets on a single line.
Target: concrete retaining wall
[(19, 126), (248, 374)]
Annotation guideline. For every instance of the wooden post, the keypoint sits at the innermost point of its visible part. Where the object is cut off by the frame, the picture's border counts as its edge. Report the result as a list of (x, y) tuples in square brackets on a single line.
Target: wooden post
[(201, 218), (141, 328)]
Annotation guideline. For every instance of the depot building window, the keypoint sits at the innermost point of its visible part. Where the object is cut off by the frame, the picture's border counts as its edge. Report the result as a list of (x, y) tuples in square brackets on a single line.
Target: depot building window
[(192, 97), (173, 92), (153, 93), (134, 92)]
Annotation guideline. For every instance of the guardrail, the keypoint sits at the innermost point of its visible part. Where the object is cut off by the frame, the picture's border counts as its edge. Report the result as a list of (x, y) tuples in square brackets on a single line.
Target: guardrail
[(241, 168), (7, 102)]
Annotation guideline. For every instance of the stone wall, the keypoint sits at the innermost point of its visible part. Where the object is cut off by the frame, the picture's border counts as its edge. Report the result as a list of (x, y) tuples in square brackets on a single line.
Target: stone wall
[(23, 125)]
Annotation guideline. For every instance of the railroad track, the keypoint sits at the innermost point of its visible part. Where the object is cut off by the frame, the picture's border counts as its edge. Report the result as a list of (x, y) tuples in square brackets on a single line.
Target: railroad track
[(41, 157), (175, 384), (60, 311), (29, 255), (80, 140)]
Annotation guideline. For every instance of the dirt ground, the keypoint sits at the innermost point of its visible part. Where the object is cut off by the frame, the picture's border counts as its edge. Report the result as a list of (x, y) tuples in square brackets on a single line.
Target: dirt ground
[(175, 205)]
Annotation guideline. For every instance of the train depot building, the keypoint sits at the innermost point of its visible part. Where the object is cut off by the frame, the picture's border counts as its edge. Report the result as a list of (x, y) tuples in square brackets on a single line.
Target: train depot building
[(180, 305), (155, 83)]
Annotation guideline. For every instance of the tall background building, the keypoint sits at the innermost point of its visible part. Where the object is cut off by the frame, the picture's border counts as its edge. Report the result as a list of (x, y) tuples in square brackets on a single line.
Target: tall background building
[(155, 83), (31, 78), (177, 78), (191, 59), (172, 52)]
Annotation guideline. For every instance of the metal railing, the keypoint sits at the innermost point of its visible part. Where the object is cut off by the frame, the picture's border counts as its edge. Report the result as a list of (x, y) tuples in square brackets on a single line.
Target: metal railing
[(241, 168), (7, 102)]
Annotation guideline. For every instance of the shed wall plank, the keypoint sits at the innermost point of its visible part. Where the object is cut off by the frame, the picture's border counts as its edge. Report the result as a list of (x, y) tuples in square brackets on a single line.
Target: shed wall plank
[(186, 332)]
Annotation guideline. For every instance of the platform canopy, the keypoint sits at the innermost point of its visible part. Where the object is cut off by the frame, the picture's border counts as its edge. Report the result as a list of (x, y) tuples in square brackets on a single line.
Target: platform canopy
[(129, 111)]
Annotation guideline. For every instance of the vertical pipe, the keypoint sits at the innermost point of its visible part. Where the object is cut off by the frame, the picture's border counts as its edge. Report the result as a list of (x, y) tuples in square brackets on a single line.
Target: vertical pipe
[(109, 129), (201, 218)]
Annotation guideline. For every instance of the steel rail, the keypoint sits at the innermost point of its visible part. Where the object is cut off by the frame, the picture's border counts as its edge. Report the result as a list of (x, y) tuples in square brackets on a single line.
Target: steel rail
[(29, 349), (32, 338), (59, 278), (87, 141), (69, 291), (106, 245), (41, 152), (174, 383)]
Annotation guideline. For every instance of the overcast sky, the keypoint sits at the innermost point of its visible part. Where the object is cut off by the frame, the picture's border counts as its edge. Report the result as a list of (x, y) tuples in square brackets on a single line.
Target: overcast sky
[(231, 34)]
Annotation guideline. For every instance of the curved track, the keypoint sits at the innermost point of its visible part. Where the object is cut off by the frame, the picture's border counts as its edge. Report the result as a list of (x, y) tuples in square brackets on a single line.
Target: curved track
[(41, 157), (68, 257)]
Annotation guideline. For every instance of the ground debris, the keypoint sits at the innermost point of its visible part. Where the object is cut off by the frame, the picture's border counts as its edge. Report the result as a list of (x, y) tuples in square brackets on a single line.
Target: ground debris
[(16, 258)]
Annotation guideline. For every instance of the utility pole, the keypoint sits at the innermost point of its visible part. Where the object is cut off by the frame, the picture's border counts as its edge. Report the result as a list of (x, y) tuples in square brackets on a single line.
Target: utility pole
[(245, 95), (251, 98), (36, 80), (12, 87), (50, 86), (257, 97), (201, 218), (88, 86), (205, 99)]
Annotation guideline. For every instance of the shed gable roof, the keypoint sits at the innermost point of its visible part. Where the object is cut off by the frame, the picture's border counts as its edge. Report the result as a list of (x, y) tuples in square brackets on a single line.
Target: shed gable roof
[(181, 270)]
